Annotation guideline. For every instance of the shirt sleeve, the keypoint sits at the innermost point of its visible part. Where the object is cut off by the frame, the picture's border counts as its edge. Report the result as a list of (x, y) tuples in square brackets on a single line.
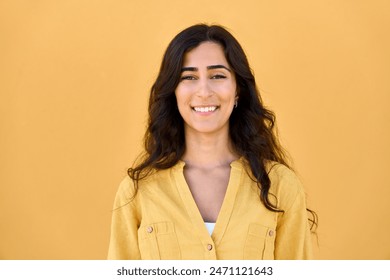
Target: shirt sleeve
[(124, 224), (293, 236)]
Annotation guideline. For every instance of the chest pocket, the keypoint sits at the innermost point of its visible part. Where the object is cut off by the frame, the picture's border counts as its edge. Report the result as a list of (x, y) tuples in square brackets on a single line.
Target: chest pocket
[(158, 241), (259, 243)]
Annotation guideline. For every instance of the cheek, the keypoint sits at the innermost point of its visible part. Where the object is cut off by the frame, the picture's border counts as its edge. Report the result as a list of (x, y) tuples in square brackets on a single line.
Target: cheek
[(227, 93), (224, 86), (183, 94), (182, 100), (183, 90)]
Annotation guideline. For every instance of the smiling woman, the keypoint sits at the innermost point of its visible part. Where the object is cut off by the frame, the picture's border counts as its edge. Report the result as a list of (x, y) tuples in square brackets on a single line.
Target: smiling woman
[(213, 182), (207, 91)]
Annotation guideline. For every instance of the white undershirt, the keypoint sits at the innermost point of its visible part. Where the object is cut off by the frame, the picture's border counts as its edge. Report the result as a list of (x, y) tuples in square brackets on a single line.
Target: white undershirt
[(210, 227)]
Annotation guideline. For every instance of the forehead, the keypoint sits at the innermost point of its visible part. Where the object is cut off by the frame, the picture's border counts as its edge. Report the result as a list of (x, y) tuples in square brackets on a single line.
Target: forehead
[(207, 53)]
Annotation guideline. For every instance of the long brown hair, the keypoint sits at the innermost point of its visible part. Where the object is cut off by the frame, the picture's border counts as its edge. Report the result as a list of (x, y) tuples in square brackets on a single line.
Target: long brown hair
[(251, 125)]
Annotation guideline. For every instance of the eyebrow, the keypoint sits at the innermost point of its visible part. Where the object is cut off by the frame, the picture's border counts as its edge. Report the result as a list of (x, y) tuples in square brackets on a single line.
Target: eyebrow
[(194, 69)]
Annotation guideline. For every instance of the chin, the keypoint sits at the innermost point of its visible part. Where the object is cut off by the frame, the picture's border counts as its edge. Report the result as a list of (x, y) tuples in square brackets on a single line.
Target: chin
[(206, 129)]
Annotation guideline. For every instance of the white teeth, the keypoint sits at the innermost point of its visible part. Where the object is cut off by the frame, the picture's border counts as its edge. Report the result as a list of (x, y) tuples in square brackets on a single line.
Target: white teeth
[(205, 109)]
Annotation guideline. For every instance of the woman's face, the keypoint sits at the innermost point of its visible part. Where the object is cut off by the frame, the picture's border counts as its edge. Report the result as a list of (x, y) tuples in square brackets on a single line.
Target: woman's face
[(206, 92)]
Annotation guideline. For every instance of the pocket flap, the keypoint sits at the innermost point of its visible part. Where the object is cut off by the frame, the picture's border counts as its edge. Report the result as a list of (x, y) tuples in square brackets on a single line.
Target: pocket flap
[(151, 230)]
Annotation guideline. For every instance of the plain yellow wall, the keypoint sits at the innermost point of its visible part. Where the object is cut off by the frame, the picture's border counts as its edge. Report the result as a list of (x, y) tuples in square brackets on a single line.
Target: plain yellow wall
[(74, 82)]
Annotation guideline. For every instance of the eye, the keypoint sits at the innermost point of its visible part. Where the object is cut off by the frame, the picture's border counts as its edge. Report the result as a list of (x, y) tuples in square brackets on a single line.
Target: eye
[(187, 77), (218, 76)]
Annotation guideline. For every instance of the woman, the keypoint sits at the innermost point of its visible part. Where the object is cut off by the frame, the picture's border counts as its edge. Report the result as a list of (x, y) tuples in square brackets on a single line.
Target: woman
[(213, 182)]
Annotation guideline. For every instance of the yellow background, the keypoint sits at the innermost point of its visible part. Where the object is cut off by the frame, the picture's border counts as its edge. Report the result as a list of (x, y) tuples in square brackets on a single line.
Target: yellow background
[(74, 82)]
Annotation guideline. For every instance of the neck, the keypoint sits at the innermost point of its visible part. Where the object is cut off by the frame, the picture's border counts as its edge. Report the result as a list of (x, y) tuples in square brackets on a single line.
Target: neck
[(208, 150)]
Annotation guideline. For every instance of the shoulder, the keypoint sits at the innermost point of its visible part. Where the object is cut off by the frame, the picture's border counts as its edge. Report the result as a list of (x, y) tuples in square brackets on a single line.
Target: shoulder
[(126, 187), (125, 192), (160, 177), (285, 185), (279, 173)]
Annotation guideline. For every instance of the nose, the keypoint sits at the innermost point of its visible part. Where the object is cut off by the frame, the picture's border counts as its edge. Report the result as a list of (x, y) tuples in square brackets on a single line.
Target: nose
[(204, 89)]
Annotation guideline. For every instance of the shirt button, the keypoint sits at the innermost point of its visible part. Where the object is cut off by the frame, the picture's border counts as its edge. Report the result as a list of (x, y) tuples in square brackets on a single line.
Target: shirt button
[(271, 233), (149, 229), (209, 247)]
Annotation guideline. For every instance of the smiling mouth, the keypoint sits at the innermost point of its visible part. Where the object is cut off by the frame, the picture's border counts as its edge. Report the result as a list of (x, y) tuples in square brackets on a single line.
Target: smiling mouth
[(205, 109)]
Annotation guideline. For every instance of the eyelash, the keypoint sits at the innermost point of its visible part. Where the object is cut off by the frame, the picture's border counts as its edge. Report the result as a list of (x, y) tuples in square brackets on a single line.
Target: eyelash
[(187, 78), (217, 77)]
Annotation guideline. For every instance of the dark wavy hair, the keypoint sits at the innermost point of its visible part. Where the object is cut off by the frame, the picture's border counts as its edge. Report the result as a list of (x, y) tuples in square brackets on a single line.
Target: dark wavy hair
[(251, 125)]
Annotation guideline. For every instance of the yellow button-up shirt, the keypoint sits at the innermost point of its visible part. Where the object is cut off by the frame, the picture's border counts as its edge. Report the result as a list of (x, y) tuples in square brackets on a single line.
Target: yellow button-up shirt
[(163, 221)]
